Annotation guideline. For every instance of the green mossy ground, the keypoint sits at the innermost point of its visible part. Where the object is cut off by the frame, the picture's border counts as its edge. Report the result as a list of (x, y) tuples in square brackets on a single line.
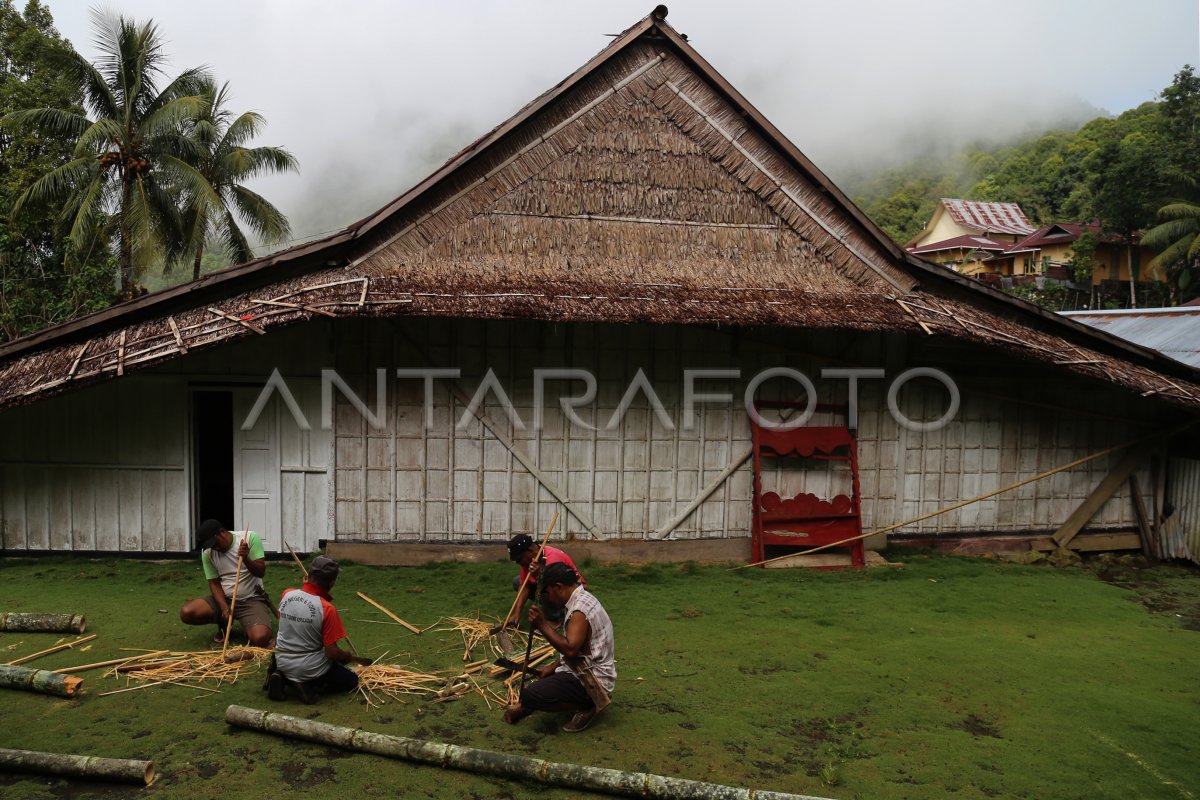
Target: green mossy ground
[(946, 678)]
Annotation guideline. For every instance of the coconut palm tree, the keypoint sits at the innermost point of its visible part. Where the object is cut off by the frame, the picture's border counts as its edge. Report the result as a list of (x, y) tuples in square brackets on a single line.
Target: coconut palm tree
[(1177, 238), (216, 147), (126, 168)]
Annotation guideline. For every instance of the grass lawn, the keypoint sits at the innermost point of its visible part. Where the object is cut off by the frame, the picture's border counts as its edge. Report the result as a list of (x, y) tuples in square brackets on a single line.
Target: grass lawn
[(948, 677)]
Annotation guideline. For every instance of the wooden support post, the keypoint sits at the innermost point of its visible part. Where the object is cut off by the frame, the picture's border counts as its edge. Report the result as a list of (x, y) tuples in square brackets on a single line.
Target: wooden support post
[(1139, 507), (73, 766), (1100, 495)]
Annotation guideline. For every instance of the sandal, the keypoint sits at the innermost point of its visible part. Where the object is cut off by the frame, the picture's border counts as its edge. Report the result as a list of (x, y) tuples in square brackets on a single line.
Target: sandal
[(580, 721)]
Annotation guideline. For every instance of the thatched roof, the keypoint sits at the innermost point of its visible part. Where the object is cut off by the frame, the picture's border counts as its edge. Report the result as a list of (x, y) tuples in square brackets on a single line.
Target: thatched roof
[(643, 188)]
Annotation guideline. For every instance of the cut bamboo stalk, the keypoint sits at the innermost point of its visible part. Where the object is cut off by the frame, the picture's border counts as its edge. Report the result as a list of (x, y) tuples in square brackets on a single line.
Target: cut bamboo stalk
[(22, 622), (296, 558), (85, 667), (49, 650), (390, 614), (525, 582), (237, 578), (39, 680), (488, 762), (77, 766)]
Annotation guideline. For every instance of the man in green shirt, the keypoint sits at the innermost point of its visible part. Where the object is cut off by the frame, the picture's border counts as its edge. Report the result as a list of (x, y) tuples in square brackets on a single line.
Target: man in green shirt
[(219, 557)]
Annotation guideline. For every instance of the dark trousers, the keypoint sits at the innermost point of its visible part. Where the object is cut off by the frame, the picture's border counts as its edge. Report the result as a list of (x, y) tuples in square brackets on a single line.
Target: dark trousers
[(338, 680), (559, 687)]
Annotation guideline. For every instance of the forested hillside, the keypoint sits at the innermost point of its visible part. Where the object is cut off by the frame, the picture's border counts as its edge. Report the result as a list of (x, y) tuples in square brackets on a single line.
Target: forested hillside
[(1119, 170)]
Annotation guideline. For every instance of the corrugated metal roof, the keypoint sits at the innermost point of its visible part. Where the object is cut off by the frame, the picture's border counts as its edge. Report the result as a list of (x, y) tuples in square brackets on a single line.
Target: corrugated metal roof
[(988, 217), (1179, 535), (1174, 332), (960, 243)]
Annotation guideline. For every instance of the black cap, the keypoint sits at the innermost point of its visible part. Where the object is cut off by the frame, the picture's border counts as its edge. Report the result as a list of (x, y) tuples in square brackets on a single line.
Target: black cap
[(207, 534), (559, 574), (324, 569), (518, 545)]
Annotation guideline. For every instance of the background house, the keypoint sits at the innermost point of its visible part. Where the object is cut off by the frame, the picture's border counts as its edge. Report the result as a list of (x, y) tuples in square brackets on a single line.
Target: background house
[(641, 215)]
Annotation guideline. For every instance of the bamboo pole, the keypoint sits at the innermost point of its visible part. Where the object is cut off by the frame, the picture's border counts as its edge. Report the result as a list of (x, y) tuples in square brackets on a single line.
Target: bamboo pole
[(237, 578), (296, 558), (85, 667), (77, 766), (525, 582), (39, 680), (488, 762), (18, 622), (390, 614), (50, 650), (977, 498)]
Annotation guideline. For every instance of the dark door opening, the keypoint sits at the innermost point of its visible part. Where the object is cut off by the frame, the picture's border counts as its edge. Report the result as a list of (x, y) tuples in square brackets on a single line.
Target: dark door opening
[(212, 432)]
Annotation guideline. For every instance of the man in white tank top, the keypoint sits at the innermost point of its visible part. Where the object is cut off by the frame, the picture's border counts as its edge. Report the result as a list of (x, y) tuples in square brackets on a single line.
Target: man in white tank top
[(586, 645)]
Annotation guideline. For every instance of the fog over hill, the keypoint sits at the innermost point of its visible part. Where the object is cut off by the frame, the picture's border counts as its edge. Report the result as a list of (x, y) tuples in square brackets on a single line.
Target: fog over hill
[(371, 95)]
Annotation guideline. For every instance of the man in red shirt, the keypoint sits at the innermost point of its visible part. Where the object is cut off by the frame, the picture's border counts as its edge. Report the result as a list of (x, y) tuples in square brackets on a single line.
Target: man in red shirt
[(307, 656), (523, 550)]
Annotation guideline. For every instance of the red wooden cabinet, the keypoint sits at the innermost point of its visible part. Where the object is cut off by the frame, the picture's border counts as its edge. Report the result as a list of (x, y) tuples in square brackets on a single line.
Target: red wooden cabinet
[(806, 520)]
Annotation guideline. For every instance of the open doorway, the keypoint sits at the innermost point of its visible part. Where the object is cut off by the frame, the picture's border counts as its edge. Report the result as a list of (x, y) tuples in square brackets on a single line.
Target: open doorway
[(212, 448)]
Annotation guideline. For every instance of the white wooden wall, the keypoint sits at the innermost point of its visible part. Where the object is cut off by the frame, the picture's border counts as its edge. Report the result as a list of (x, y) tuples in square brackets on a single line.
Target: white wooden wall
[(106, 467), (402, 483), (99, 469)]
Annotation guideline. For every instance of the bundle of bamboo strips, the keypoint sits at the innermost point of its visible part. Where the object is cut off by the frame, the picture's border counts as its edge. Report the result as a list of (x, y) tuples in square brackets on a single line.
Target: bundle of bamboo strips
[(190, 669), (391, 680)]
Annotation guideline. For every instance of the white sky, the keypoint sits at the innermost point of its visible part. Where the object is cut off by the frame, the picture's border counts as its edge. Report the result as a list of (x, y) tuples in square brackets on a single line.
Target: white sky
[(372, 95)]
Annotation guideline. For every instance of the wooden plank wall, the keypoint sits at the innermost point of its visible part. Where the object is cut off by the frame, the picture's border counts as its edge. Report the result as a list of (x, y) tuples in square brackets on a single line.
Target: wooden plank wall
[(99, 469), (404, 484)]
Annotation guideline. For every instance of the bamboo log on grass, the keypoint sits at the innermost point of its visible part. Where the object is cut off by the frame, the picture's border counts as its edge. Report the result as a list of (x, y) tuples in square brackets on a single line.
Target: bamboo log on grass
[(77, 766), (22, 622), (488, 762), (49, 650), (40, 681)]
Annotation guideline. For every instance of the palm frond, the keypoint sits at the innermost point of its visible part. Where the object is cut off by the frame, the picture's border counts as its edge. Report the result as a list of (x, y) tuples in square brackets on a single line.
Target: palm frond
[(234, 240), (57, 184), (268, 222), (55, 123)]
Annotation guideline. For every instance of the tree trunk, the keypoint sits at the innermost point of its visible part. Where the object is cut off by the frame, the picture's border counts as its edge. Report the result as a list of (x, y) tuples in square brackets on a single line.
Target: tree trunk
[(17, 622), (125, 258), (38, 680), (196, 264), (515, 767), (1132, 276), (63, 764)]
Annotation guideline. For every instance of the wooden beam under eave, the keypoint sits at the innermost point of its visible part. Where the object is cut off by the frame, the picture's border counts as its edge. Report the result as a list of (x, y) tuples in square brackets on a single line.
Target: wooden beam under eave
[(1080, 517)]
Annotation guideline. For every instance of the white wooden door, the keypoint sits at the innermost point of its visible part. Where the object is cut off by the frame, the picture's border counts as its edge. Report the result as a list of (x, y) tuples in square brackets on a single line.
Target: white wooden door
[(256, 490)]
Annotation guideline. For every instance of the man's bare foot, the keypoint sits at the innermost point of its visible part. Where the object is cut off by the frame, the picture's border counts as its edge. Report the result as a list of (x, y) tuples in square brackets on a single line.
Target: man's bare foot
[(514, 714)]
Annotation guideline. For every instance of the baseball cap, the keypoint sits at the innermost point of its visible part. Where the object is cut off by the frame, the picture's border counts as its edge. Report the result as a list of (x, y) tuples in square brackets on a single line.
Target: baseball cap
[(325, 568), (518, 545), (207, 533)]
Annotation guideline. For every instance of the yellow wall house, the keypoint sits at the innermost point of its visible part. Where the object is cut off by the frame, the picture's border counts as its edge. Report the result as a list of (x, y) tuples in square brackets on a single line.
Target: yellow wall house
[(967, 235), (1049, 249)]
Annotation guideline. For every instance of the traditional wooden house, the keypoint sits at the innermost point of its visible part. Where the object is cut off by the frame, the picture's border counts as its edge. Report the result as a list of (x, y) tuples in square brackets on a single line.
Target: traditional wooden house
[(638, 220)]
